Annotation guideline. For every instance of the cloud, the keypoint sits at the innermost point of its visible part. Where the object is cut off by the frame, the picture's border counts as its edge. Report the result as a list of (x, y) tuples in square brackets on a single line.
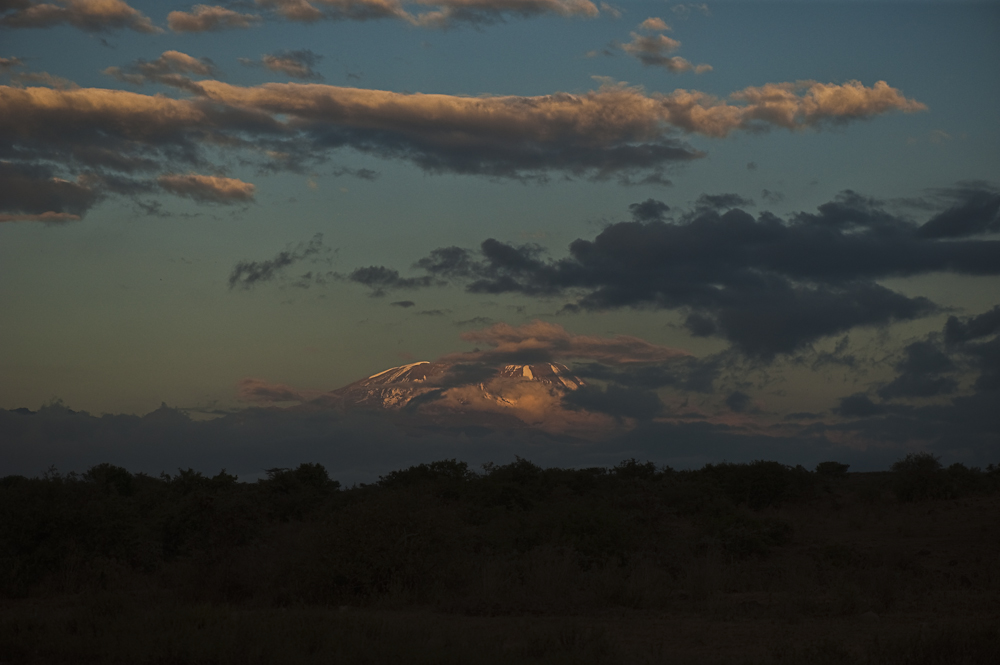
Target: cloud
[(208, 188), (615, 401), (168, 69), (31, 192), (88, 15), (404, 304), (261, 392), (382, 280), (772, 196), (247, 274), (615, 132), (768, 286), (974, 210), (51, 217), (611, 10), (958, 331), (439, 13), (738, 401), (653, 50), (859, 405), (297, 64), (649, 210), (208, 18), (655, 24), (539, 342), (684, 11), (923, 372), (722, 201), (10, 63)]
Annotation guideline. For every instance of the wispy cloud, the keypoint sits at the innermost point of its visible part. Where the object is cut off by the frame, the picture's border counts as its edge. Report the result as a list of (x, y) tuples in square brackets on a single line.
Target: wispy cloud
[(247, 274), (297, 64)]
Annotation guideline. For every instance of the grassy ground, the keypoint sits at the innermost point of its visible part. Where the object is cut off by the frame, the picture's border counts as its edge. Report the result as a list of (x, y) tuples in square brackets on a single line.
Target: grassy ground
[(531, 566)]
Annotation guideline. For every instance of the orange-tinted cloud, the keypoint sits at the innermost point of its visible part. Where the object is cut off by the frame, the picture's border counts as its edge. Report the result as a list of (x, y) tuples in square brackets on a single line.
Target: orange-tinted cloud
[(261, 392), (89, 15), (616, 131), (654, 24), (208, 188), (540, 341), (169, 69), (43, 217), (207, 18), (653, 50)]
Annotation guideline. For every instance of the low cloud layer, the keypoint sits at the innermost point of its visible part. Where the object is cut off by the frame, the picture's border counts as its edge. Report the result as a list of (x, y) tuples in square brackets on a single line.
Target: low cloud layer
[(88, 15), (768, 286)]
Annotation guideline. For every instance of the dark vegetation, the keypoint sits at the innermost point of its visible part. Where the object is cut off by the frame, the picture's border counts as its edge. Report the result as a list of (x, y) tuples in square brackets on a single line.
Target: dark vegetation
[(438, 563)]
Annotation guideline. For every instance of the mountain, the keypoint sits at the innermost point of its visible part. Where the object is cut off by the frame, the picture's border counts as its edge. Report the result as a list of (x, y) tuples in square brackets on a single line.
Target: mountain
[(426, 385), (473, 399)]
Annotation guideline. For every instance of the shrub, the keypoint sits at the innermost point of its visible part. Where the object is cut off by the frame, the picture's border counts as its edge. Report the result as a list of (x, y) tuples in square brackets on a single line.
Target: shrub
[(832, 469), (917, 476)]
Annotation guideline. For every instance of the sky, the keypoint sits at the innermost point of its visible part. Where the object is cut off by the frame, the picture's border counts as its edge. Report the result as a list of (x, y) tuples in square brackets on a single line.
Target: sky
[(757, 230)]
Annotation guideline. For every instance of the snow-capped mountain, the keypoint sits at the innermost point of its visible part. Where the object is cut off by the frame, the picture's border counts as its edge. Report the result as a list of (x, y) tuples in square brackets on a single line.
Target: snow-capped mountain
[(429, 385)]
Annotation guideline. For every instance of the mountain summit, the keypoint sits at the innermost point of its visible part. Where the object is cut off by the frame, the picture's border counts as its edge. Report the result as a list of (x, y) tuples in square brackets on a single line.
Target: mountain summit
[(423, 384)]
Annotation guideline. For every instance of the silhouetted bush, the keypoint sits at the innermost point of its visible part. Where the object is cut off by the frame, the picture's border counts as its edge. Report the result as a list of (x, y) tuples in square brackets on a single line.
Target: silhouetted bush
[(832, 469), (760, 484), (917, 476)]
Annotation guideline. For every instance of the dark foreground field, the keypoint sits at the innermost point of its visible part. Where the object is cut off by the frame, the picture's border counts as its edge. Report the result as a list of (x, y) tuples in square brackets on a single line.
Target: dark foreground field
[(749, 563)]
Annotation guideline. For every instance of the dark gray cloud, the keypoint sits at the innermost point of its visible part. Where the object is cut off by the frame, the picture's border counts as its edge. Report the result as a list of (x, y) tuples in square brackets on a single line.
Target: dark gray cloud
[(767, 285), (975, 210), (771, 196), (859, 405), (924, 371), (381, 280), (688, 373), (957, 331), (722, 201), (617, 401), (738, 401), (403, 303), (649, 210), (28, 191), (247, 274)]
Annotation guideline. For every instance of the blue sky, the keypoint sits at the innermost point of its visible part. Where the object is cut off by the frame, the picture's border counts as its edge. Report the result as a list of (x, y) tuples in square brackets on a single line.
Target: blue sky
[(122, 289)]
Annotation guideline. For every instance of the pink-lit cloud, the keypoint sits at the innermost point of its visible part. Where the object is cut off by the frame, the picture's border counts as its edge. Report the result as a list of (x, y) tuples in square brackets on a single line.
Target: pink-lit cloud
[(207, 188)]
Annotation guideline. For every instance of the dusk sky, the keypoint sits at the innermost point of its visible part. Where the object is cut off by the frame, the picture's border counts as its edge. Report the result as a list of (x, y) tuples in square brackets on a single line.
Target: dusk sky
[(775, 225)]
